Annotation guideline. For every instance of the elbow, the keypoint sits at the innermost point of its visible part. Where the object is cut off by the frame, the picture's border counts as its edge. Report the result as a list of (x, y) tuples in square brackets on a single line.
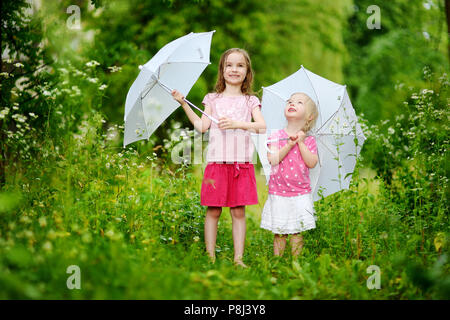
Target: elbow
[(204, 128), (272, 161), (263, 128), (312, 164)]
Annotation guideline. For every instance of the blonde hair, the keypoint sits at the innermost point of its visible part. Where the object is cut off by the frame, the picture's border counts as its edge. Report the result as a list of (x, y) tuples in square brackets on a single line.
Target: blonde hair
[(246, 87), (312, 113)]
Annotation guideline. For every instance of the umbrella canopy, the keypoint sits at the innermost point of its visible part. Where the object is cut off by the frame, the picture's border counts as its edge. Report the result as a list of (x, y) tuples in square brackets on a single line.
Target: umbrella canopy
[(177, 65), (338, 134)]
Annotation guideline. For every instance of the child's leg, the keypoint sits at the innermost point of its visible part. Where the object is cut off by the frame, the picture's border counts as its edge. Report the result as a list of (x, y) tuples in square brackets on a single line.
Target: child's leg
[(238, 220), (279, 243), (296, 244), (212, 217)]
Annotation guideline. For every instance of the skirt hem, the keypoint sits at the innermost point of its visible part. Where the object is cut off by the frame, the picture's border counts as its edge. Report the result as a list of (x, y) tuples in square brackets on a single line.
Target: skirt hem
[(287, 231)]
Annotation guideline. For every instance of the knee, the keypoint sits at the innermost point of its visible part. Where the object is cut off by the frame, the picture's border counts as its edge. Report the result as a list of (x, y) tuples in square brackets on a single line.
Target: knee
[(214, 212), (237, 213)]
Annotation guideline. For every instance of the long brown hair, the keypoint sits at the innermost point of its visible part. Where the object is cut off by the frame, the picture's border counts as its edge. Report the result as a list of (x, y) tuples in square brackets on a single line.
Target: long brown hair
[(246, 87)]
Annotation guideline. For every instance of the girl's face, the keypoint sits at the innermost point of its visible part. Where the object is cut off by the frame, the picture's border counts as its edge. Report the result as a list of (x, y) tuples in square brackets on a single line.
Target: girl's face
[(296, 107), (235, 68)]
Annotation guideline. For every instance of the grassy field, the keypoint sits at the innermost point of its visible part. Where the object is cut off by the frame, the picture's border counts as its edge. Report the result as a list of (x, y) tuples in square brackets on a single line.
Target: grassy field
[(136, 232), (130, 220)]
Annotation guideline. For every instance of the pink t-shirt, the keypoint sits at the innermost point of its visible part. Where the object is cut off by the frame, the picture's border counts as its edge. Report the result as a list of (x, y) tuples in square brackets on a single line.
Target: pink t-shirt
[(290, 177), (231, 145)]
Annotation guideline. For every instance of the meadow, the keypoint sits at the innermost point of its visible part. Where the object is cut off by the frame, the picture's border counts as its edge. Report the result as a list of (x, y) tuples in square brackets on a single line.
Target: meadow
[(130, 220), (133, 224)]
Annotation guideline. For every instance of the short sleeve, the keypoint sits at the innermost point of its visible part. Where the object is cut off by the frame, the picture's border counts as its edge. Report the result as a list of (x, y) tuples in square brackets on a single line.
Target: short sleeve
[(274, 136), (310, 143), (207, 100), (253, 103)]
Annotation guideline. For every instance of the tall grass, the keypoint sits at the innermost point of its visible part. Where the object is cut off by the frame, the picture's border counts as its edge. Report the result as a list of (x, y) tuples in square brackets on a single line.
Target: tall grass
[(131, 220)]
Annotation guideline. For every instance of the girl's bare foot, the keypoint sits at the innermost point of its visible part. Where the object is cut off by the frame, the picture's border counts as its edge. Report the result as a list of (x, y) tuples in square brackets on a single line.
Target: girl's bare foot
[(240, 263), (212, 259)]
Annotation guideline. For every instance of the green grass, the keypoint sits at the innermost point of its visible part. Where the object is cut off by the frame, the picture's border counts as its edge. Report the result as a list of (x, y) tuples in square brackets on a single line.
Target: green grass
[(137, 233), (131, 220)]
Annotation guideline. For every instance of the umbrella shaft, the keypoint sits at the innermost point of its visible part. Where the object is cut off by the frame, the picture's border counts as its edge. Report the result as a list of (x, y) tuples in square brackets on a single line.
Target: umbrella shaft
[(187, 101)]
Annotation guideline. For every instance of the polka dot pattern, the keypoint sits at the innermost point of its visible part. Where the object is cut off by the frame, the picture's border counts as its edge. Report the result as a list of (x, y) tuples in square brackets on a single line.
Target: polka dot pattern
[(291, 176)]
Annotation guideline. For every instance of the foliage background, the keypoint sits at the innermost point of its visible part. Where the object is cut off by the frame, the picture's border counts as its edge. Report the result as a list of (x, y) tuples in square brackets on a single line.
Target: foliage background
[(131, 218)]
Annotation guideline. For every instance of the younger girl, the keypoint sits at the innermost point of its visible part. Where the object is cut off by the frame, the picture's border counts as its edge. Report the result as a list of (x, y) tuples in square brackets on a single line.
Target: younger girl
[(229, 178), (289, 207)]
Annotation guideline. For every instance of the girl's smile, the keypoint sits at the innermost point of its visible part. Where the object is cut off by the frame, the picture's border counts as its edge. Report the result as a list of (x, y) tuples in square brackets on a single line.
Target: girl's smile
[(235, 68)]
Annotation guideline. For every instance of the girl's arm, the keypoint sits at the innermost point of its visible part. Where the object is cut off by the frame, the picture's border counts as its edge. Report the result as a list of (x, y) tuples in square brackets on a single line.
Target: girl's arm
[(200, 124), (310, 158), (278, 154), (258, 126)]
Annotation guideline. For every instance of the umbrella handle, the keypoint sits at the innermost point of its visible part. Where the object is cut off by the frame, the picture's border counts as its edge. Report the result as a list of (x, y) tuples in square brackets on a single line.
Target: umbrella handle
[(210, 117)]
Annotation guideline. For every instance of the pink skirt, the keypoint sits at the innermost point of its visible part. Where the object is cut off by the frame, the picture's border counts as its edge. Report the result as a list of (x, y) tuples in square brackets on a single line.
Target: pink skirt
[(228, 185)]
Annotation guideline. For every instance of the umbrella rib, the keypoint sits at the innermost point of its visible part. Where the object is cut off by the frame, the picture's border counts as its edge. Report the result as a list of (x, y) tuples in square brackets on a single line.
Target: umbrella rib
[(318, 101), (183, 42), (327, 147), (172, 62), (331, 117), (275, 93), (335, 134), (150, 89)]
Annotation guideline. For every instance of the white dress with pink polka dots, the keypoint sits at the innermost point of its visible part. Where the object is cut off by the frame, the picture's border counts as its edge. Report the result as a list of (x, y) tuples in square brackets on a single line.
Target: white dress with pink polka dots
[(289, 208)]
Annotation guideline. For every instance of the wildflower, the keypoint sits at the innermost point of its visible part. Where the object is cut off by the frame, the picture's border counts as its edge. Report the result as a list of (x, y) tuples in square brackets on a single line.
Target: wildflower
[(109, 233), (93, 80), (76, 90), (92, 63), (115, 69), (102, 87), (47, 246), (3, 113), (42, 221), (108, 165), (196, 238), (18, 65)]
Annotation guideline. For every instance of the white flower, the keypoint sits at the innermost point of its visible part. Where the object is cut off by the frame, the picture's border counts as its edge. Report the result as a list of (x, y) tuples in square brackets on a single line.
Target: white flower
[(92, 63), (18, 65), (93, 80), (102, 87), (115, 69)]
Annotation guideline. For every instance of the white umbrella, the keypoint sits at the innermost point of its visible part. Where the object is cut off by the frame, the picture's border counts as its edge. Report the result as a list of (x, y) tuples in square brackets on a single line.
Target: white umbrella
[(338, 134), (177, 65)]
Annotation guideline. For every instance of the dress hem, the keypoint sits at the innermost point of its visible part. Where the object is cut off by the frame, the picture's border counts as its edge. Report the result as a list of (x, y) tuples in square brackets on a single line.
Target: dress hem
[(286, 232)]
